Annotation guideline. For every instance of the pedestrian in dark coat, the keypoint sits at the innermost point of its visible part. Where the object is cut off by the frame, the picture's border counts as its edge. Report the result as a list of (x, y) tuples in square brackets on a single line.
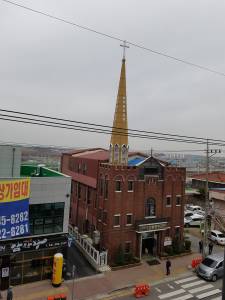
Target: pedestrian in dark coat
[(210, 248), (168, 265), (9, 293), (200, 246)]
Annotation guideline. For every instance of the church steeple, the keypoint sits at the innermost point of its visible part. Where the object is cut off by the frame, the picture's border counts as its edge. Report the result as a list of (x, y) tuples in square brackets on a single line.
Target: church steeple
[(119, 138)]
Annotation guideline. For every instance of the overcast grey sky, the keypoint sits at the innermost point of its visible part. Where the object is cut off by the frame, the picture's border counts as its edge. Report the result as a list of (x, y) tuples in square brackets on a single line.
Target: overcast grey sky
[(47, 67)]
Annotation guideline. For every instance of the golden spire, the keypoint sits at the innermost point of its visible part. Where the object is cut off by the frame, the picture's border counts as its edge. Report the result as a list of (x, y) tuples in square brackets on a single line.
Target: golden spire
[(119, 137)]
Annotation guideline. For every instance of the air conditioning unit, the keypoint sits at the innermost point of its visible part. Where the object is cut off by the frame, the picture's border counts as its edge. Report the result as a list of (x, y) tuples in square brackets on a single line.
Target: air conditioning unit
[(96, 237)]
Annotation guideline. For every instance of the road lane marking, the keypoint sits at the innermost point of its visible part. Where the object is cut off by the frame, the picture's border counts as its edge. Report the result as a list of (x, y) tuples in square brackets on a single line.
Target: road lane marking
[(188, 296), (167, 295), (170, 286), (210, 293), (188, 285), (186, 279), (201, 288), (158, 290)]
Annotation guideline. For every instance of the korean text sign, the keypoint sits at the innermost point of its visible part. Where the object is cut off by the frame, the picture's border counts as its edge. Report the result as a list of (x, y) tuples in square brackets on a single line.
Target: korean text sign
[(14, 208)]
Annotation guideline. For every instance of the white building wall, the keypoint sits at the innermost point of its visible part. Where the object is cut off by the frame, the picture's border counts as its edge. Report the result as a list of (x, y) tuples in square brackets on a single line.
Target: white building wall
[(10, 161), (51, 190)]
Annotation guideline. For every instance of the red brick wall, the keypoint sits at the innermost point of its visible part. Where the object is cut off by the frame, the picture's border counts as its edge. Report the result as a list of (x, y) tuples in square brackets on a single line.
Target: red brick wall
[(125, 202)]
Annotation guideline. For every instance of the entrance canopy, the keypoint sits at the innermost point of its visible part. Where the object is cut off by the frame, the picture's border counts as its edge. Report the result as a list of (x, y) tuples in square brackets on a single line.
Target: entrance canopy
[(151, 225)]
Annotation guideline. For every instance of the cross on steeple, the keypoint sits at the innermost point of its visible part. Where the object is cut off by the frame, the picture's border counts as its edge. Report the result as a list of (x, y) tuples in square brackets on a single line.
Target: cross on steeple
[(124, 45)]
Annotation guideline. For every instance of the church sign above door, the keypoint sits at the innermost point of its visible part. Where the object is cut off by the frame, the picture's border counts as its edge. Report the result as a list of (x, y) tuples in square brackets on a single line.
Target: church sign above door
[(152, 227)]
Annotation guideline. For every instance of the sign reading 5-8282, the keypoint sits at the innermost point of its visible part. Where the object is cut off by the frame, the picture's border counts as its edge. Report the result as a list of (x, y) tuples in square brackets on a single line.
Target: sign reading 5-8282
[(14, 208)]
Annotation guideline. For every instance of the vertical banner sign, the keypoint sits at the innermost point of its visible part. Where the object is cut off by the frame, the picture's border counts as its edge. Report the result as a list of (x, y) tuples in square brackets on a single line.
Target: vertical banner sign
[(14, 208)]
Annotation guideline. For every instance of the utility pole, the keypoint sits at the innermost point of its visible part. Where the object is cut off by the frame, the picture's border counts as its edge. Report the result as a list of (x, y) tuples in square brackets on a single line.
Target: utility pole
[(205, 243), (206, 219)]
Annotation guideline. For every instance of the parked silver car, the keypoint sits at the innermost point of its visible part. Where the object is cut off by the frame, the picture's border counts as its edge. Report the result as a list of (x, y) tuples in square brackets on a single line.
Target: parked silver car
[(211, 267)]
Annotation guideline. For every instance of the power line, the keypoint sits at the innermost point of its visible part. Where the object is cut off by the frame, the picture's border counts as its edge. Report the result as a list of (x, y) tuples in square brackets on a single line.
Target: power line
[(117, 39), (14, 113), (47, 123), (106, 126), (93, 130)]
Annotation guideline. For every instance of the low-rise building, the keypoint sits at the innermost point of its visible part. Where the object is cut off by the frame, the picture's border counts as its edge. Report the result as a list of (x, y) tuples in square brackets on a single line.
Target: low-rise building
[(29, 239)]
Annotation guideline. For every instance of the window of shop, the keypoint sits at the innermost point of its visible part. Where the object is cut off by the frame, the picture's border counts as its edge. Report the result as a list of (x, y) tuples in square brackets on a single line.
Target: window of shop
[(46, 218), (31, 266), (150, 208)]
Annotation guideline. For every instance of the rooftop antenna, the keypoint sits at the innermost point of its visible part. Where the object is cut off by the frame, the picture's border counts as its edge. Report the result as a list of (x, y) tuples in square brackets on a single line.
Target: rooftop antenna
[(151, 152)]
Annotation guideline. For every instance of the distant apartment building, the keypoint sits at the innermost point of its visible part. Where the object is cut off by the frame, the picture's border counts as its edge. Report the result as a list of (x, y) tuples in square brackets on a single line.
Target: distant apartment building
[(27, 248)]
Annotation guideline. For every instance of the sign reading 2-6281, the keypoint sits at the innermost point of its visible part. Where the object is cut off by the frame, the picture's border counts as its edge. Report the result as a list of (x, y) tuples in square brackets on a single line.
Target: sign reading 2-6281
[(14, 208)]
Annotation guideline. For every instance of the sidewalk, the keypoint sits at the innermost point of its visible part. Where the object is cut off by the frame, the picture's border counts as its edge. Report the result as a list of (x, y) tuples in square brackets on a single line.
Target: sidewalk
[(108, 285)]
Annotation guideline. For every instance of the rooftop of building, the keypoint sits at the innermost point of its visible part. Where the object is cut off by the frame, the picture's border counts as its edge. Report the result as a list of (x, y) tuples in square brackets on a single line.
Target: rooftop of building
[(212, 177), (38, 171)]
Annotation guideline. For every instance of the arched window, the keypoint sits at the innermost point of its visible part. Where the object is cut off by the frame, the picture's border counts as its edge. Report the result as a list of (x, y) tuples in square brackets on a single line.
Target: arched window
[(150, 207), (110, 153), (116, 153), (124, 154)]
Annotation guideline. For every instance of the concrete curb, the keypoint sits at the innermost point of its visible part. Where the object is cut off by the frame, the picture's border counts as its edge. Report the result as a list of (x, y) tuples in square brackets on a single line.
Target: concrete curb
[(129, 286)]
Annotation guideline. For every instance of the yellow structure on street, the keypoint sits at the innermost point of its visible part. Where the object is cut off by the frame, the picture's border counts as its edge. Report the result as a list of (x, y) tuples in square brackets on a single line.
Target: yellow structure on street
[(57, 269)]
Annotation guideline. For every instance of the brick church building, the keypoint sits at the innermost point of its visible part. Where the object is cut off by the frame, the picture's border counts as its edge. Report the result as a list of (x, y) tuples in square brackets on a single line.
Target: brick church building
[(131, 200)]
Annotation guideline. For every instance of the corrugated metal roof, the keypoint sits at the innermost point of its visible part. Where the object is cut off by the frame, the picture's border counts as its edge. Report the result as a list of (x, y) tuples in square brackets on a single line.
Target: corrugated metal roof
[(135, 161)]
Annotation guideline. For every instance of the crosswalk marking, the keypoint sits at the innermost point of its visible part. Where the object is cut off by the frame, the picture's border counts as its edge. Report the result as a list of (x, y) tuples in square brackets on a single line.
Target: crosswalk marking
[(184, 297), (210, 293), (170, 286), (218, 298), (158, 290), (185, 279), (188, 285), (201, 288), (167, 295)]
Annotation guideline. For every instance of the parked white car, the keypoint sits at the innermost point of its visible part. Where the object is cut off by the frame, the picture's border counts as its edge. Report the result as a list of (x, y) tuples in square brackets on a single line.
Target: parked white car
[(190, 214), (195, 209), (217, 237), (194, 220)]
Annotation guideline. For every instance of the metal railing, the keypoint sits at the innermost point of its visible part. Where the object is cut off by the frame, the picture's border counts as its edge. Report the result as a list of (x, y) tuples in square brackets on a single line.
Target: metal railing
[(98, 259)]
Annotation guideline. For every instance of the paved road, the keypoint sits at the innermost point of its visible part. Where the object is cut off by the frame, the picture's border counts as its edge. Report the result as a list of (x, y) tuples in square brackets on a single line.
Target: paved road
[(190, 287), (83, 267)]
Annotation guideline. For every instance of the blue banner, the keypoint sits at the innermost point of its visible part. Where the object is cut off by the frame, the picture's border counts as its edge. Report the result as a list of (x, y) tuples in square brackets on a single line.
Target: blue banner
[(14, 219)]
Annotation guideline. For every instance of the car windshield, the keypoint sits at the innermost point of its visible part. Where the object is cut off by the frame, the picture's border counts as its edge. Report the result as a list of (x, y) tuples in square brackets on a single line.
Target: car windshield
[(208, 262), (221, 235)]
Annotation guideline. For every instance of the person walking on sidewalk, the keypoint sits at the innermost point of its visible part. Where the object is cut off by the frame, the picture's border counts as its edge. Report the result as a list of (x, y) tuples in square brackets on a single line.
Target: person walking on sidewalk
[(210, 248), (168, 265), (9, 293), (200, 246)]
